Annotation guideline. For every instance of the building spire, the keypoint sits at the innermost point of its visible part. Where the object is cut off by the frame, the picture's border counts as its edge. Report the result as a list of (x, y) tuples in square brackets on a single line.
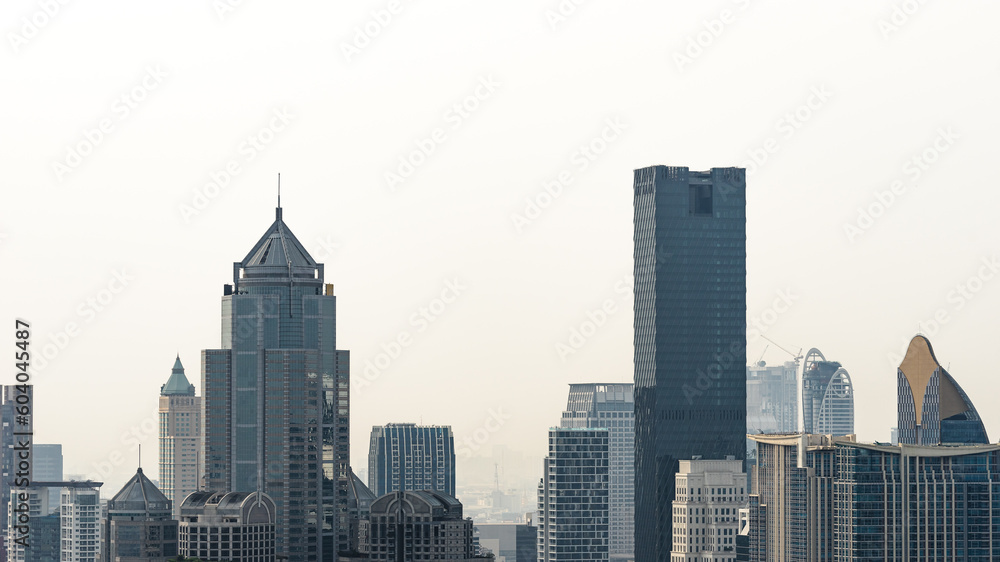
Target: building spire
[(277, 212)]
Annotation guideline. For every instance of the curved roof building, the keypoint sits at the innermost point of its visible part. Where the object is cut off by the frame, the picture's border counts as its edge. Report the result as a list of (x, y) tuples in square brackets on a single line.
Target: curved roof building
[(827, 396), (932, 408)]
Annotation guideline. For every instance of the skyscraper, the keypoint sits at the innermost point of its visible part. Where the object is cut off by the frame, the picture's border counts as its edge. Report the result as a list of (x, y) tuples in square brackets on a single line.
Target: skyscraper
[(139, 525), (47, 466), (180, 438), (409, 457), (611, 406), (932, 408), (573, 497), (827, 396), (690, 334), (275, 403), (772, 398), (710, 494), (80, 524)]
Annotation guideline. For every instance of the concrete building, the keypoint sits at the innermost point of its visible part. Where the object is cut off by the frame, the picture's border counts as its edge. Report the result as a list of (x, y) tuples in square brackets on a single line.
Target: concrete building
[(43, 525), (359, 508), (772, 399), (932, 407), (234, 526), (139, 524), (509, 542), (710, 494), (417, 525), (573, 497), (690, 334), (611, 406), (406, 456), (827, 396), (275, 396), (80, 524), (180, 437)]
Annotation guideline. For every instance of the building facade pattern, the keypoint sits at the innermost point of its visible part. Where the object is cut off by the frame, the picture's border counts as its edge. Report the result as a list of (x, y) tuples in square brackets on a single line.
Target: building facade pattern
[(233, 526), (710, 494), (417, 525), (690, 334), (827, 396), (180, 437), (410, 457)]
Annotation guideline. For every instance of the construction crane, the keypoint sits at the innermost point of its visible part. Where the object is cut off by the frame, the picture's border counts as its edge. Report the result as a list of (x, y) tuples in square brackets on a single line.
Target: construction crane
[(796, 356)]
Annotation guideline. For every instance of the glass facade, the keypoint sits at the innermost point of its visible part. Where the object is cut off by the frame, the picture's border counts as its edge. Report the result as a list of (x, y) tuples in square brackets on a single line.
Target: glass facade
[(276, 396), (408, 457), (690, 334)]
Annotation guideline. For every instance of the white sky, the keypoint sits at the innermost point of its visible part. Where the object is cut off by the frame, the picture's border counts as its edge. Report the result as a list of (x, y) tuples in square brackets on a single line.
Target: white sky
[(211, 81)]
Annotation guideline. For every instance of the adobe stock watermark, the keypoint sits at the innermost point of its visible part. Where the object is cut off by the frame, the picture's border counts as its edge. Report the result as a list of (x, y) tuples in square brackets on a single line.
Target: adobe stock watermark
[(786, 127), (121, 109), (494, 422), (225, 7), (561, 11), (368, 31), (957, 298), (31, 25), (913, 169), (144, 431), (898, 17), (419, 321), (595, 318), (454, 117), (247, 151), (327, 247), (711, 29), (579, 162), (87, 312), (757, 327)]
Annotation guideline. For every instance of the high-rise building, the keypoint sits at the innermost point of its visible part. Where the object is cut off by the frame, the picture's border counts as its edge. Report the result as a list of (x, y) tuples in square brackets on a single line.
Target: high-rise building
[(573, 497), (772, 398), (139, 524), (417, 525), (932, 408), (611, 406), (275, 402), (410, 457), (234, 526), (47, 466), (827, 396), (710, 494), (42, 526), (180, 437), (791, 511), (80, 524), (690, 334), (359, 505), (9, 420), (913, 502)]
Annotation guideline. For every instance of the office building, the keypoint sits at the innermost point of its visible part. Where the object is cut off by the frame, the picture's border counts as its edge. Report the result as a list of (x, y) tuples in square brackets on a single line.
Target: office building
[(509, 542), (180, 437), (47, 466), (573, 497), (710, 494), (690, 334), (791, 511), (406, 456), (772, 398), (139, 524), (80, 525), (932, 407), (827, 396), (417, 525), (359, 504), (9, 420), (43, 525), (234, 526), (914, 502), (611, 406), (275, 401)]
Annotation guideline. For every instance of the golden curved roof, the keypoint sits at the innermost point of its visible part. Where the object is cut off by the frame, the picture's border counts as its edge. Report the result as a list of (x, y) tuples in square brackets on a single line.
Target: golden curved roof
[(918, 367)]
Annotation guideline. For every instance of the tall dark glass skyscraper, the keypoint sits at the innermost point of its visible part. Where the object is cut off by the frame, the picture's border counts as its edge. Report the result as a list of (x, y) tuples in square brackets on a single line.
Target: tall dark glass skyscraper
[(275, 405), (690, 334)]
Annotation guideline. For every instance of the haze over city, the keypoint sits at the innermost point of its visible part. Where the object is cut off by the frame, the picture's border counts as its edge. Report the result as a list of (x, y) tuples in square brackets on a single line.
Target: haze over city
[(465, 175)]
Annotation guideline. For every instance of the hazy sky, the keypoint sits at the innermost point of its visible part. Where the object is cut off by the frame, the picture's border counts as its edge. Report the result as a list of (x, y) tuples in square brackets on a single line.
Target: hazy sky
[(142, 142)]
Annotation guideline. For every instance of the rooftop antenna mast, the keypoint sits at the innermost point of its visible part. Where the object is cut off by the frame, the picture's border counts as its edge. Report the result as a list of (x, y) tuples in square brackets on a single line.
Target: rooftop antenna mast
[(278, 212)]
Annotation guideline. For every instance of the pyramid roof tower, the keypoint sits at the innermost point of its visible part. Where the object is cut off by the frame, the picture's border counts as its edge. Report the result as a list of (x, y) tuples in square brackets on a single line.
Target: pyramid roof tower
[(140, 496), (177, 384)]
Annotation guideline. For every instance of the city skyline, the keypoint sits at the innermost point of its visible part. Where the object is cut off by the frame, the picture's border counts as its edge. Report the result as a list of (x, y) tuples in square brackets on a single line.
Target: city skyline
[(107, 247)]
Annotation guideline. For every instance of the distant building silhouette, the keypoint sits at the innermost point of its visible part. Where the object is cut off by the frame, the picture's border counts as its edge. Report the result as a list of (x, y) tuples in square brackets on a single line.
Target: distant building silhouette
[(139, 524), (180, 437), (276, 394), (827, 396), (233, 526), (932, 407), (509, 542), (690, 334), (611, 406), (406, 456)]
